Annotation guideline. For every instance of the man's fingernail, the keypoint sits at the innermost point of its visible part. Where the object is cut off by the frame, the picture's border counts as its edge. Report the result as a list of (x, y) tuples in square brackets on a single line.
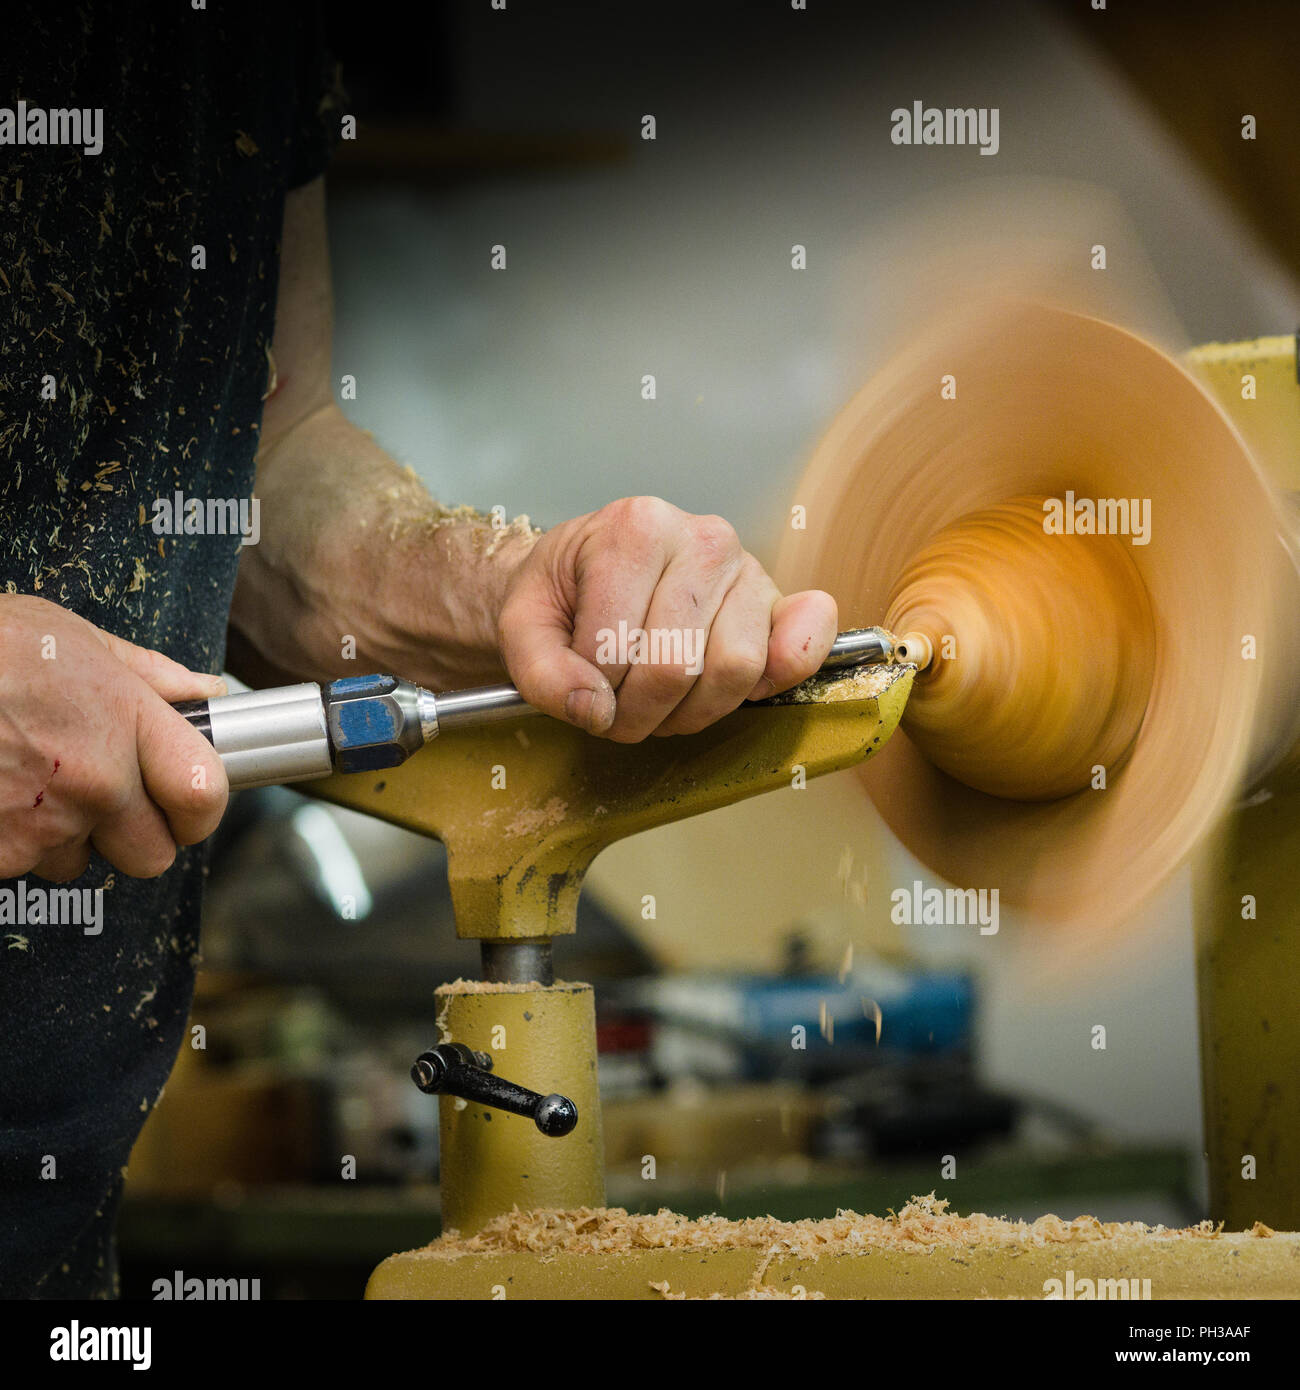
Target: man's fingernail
[(765, 687), (578, 706), (216, 685), (592, 710)]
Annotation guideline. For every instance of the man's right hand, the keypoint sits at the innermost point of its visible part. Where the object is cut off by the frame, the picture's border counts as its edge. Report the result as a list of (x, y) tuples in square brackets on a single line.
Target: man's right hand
[(91, 754)]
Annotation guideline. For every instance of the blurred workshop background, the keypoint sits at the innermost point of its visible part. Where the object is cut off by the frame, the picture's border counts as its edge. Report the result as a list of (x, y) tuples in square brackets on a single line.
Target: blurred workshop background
[(522, 128)]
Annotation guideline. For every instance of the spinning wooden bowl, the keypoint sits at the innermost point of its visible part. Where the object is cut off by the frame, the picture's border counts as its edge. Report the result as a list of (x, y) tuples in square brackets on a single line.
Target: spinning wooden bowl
[(1093, 702)]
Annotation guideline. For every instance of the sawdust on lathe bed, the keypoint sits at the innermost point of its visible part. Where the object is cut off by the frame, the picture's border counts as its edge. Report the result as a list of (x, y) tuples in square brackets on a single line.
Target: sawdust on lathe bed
[(923, 1225), (500, 987), (445, 992), (532, 820)]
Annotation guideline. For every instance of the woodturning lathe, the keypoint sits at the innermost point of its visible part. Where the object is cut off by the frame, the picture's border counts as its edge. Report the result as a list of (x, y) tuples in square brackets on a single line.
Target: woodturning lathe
[(1086, 712)]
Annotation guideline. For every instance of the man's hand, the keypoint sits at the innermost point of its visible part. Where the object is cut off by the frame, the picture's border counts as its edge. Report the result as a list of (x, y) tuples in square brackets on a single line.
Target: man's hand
[(704, 602), (90, 753), (358, 569)]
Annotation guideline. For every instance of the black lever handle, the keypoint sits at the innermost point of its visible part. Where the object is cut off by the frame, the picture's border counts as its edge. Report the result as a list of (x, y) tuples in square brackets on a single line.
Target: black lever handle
[(452, 1069)]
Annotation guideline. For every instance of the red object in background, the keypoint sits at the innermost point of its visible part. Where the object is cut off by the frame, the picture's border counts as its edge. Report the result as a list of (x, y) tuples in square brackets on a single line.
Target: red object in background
[(624, 1033)]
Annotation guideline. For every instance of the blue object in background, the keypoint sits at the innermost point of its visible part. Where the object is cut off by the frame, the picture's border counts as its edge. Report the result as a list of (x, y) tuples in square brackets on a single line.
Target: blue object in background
[(921, 1012)]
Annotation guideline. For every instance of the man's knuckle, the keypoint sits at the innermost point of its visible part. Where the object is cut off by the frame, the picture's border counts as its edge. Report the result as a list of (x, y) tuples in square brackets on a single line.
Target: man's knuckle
[(716, 537), (643, 517), (738, 668), (104, 794), (55, 839), (660, 683)]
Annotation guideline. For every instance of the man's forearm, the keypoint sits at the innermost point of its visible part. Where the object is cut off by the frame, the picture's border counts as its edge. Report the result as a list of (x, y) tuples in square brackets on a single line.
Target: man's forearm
[(353, 547)]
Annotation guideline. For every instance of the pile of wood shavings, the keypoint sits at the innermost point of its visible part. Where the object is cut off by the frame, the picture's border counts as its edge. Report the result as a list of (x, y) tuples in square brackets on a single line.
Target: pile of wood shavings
[(923, 1225)]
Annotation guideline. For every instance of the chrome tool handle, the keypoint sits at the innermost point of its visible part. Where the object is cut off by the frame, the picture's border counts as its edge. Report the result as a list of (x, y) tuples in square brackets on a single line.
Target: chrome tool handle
[(266, 736)]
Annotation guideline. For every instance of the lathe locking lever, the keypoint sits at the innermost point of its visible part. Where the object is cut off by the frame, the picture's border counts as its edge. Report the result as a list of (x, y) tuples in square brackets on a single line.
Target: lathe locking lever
[(453, 1069)]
